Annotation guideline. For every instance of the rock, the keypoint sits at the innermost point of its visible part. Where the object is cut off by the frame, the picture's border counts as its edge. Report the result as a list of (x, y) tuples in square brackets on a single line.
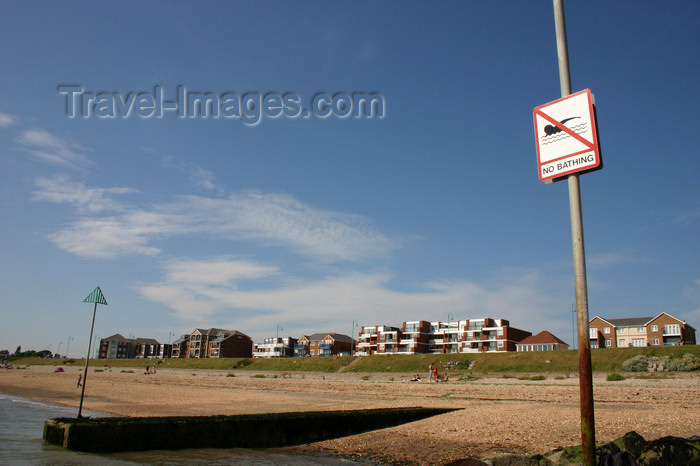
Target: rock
[(671, 451)]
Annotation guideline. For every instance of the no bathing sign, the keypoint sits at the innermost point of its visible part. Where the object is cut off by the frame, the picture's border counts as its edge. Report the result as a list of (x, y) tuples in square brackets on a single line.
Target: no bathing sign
[(567, 139)]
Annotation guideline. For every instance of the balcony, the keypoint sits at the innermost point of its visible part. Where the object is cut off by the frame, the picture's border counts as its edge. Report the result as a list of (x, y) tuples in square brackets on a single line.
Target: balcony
[(672, 331)]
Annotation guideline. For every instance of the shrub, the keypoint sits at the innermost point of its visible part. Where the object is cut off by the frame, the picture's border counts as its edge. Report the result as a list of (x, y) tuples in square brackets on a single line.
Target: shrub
[(687, 362), (259, 376), (559, 377), (636, 364), (464, 365), (614, 377), (230, 374), (538, 377)]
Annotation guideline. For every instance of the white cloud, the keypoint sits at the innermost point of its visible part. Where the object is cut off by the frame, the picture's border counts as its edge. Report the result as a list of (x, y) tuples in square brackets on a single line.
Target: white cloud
[(6, 120), (61, 188), (331, 304), (268, 219), (610, 259), (219, 271), (200, 177), (53, 150), (105, 238)]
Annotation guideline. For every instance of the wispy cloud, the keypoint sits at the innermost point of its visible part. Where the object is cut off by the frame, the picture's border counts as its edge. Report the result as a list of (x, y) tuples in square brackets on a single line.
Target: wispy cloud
[(624, 256), (200, 177), (51, 149), (6, 120), (63, 189), (266, 219)]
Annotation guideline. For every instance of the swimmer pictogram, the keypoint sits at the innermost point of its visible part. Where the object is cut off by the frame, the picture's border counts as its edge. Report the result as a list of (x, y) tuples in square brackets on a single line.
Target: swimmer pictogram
[(567, 140)]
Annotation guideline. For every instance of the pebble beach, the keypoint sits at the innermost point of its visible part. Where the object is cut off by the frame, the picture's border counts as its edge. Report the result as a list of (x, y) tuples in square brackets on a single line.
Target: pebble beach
[(497, 414)]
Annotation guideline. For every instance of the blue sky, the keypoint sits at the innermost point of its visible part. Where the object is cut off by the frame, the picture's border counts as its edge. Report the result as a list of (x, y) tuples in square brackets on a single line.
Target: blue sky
[(309, 223)]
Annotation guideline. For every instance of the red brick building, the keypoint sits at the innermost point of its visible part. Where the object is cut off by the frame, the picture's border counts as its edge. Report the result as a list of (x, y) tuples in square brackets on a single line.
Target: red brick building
[(323, 344), (662, 330)]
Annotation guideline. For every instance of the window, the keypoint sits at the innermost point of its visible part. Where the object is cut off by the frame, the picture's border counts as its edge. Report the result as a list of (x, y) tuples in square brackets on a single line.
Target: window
[(672, 329), (640, 329), (622, 330), (655, 341), (593, 333), (654, 328), (622, 343), (608, 343), (606, 330)]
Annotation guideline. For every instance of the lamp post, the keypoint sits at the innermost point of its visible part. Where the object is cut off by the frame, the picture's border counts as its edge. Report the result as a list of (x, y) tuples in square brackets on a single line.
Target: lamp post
[(279, 327), (68, 345), (58, 351), (352, 338)]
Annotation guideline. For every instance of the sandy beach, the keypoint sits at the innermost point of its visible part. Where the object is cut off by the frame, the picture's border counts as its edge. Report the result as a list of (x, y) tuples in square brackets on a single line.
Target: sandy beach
[(497, 415)]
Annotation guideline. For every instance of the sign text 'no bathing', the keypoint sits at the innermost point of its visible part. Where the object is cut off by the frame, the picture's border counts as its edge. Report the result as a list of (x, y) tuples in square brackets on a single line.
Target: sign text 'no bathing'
[(567, 138)]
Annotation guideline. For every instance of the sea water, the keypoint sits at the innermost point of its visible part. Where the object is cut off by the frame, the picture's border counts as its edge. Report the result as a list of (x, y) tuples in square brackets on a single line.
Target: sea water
[(21, 442)]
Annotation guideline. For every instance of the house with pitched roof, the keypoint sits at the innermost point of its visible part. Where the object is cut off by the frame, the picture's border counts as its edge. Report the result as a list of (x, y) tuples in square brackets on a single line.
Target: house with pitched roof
[(662, 330), (218, 343), (323, 344), (119, 347), (543, 341)]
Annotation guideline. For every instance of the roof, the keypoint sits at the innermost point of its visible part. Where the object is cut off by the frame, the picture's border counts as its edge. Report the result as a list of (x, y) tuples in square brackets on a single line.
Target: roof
[(147, 341), (116, 336), (542, 337), (323, 336), (637, 321), (630, 321)]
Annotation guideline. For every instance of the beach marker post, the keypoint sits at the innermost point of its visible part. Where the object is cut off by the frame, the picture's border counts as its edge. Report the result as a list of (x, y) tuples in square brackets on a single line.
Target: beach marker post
[(98, 298)]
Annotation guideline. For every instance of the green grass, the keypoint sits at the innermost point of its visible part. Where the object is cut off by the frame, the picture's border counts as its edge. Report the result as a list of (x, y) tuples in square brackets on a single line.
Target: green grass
[(614, 377), (562, 362)]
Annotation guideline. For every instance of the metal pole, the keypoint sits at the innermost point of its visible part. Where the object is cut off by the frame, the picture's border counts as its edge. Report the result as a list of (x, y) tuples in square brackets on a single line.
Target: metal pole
[(584, 349), (87, 362)]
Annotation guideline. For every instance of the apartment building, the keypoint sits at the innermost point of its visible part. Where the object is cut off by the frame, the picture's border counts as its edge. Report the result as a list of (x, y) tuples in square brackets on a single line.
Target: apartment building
[(377, 340), (662, 330), (180, 347), (119, 347), (275, 348), (459, 336), (323, 344)]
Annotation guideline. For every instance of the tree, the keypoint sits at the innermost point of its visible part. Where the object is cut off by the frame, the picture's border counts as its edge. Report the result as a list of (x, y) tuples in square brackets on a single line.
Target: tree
[(18, 350)]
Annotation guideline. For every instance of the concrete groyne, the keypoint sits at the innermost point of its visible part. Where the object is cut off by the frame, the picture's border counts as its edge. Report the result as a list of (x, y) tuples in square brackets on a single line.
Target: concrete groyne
[(115, 434)]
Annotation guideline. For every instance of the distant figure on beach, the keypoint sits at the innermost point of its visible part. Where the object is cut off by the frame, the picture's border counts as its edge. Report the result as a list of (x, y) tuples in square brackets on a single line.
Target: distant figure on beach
[(435, 374), (446, 377), (430, 372), (416, 378), (80, 378)]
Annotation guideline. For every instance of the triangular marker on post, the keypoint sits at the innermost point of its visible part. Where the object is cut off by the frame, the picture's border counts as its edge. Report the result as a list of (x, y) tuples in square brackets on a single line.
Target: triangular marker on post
[(96, 297)]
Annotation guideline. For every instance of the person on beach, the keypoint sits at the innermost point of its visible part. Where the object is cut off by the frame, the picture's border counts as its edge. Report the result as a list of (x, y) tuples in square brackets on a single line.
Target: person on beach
[(80, 378), (430, 372), (435, 374)]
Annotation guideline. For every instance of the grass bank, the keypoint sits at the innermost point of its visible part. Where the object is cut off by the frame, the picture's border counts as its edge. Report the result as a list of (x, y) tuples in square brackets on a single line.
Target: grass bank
[(603, 360)]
